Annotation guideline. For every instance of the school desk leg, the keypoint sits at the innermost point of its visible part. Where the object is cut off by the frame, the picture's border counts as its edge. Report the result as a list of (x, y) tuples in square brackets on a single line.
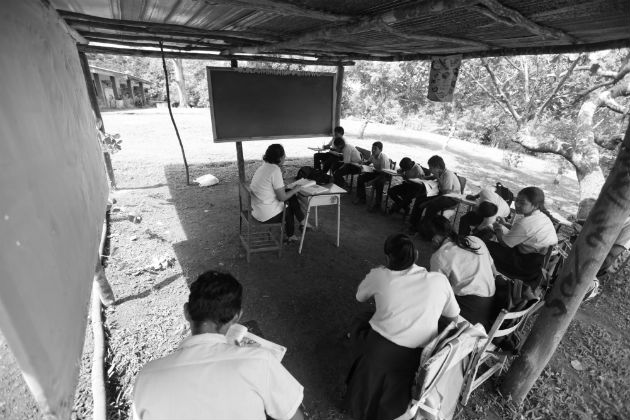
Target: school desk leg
[(316, 226), (308, 212), (338, 218)]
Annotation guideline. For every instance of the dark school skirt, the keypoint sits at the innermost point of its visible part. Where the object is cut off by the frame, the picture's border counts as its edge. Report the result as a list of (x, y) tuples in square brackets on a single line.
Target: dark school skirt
[(380, 379), (477, 309), (514, 264)]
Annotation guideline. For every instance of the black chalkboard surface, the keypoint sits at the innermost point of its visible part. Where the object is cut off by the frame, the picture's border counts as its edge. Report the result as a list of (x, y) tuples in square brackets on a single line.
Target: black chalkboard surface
[(257, 104)]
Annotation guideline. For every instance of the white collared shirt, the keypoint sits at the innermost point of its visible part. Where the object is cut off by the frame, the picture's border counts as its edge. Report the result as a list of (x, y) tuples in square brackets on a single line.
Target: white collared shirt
[(470, 273), (266, 180), (351, 154), (381, 162), (408, 303), (531, 234), (207, 378)]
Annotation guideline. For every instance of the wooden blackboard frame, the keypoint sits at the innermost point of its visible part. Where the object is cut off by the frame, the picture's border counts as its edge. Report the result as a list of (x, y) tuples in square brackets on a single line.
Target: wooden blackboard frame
[(210, 69)]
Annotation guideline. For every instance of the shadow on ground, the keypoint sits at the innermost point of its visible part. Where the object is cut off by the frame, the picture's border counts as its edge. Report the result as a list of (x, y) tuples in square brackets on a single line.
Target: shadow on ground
[(304, 302)]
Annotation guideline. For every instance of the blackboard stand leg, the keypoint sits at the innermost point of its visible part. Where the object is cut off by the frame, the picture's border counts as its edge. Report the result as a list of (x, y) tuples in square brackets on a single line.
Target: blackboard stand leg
[(240, 161)]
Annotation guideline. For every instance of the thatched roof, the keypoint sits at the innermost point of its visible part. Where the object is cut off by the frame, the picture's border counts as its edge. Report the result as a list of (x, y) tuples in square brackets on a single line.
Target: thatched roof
[(334, 30)]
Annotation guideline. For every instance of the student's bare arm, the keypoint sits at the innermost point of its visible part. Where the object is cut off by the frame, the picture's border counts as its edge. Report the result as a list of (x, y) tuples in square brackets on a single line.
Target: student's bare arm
[(298, 415)]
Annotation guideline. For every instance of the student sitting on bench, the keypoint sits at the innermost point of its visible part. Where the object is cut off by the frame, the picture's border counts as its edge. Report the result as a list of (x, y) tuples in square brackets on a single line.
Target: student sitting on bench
[(328, 158), (521, 248), (466, 262), (351, 163), (379, 161), (409, 301), (403, 194), (483, 218), (448, 183)]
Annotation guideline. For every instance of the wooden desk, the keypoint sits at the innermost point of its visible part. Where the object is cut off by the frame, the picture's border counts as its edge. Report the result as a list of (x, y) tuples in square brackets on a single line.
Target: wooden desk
[(321, 195)]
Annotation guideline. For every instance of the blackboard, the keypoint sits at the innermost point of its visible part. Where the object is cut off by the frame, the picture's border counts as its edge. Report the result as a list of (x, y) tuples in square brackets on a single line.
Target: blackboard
[(257, 104)]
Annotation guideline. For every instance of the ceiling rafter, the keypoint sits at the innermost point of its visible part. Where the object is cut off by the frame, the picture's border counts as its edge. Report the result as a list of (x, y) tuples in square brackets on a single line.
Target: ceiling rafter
[(75, 19), (427, 37), (362, 24), (500, 13), (201, 56), (107, 37), (282, 8)]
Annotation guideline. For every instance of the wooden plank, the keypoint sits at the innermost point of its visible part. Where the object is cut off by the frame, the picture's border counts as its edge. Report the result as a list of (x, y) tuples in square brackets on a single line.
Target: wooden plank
[(202, 56), (283, 9)]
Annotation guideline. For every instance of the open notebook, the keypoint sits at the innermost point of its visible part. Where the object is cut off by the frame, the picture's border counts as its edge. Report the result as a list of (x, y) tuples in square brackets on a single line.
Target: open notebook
[(302, 182), (238, 333), (431, 185)]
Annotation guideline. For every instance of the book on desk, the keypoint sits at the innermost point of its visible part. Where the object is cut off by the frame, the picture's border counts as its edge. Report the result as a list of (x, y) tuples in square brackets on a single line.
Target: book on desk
[(302, 182), (431, 185)]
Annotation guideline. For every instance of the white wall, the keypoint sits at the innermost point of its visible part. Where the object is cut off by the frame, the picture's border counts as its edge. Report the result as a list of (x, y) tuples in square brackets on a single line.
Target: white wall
[(52, 200)]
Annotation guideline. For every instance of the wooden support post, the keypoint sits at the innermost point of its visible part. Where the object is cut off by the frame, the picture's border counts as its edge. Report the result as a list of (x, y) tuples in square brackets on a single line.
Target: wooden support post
[(114, 87), (130, 89), (142, 97), (339, 91), (240, 161), (98, 86), (602, 226), (97, 113)]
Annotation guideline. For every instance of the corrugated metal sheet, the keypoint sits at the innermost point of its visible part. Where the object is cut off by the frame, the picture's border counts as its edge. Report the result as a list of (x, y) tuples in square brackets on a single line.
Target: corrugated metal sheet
[(590, 21)]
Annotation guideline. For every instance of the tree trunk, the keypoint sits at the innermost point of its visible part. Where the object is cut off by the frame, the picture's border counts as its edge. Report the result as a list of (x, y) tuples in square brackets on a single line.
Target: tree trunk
[(364, 125), (180, 82), (591, 183), (576, 275)]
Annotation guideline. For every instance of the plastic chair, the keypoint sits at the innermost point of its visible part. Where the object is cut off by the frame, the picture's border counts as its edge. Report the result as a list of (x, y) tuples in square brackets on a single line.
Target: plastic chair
[(491, 357), (256, 236)]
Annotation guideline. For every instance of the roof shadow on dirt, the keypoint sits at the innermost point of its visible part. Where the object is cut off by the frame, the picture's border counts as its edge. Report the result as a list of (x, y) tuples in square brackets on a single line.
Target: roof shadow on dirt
[(304, 302)]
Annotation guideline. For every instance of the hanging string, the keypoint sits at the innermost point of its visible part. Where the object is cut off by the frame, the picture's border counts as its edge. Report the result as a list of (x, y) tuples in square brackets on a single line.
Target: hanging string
[(170, 111)]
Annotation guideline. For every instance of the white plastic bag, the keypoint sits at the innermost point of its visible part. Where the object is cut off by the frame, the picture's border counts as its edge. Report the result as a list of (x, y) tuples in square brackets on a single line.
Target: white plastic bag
[(207, 180)]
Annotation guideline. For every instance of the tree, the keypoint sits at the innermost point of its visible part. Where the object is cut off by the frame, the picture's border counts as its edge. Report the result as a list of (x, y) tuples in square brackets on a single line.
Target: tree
[(180, 82), (540, 94)]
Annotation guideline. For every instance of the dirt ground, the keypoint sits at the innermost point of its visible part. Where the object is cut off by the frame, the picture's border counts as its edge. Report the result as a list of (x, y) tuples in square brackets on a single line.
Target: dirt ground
[(304, 302)]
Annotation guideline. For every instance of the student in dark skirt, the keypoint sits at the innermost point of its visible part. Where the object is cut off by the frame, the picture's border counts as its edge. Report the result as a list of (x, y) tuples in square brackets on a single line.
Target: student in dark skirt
[(520, 248), (467, 264), (387, 344)]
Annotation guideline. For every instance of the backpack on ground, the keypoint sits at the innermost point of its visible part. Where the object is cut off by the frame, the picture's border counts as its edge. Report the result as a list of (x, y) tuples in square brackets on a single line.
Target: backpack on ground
[(504, 193)]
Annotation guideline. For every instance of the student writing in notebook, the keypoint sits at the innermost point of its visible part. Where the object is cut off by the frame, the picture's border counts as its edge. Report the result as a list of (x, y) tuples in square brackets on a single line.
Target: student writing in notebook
[(448, 183), (378, 161), (403, 194), (350, 164), (323, 161)]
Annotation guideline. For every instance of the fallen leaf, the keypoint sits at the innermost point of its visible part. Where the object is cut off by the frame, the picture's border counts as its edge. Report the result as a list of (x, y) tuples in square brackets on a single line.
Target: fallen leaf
[(577, 365)]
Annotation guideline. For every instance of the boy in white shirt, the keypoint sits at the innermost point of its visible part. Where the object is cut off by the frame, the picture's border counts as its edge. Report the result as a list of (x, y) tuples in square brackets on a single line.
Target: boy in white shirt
[(379, 161), (351, 163), (209, 378)]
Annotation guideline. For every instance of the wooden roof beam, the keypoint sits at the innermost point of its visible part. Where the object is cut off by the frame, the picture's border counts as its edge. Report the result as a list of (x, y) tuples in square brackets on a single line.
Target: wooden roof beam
[(201, 56), (108, 37), (283, 9), (499, 13), (431, 38), (362, 24), (78, 19)]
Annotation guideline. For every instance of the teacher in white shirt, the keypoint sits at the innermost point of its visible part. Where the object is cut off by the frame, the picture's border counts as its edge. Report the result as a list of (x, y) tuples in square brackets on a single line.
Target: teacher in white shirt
[(270, 196)]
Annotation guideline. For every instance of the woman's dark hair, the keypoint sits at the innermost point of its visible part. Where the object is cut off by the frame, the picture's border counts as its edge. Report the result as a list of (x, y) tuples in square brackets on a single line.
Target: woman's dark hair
[(439, 225), (339, 142), (487, 209), (400, 250), (215, 297), (536, 196), (274, 154), (406, 163), (436, 162), (339, 129)]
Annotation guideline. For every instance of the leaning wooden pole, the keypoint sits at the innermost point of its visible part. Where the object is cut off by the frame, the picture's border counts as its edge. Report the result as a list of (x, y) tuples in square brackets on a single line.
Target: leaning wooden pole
[(587, 254), (170, 111), (97, 113), (339, 95), (240, 160)]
